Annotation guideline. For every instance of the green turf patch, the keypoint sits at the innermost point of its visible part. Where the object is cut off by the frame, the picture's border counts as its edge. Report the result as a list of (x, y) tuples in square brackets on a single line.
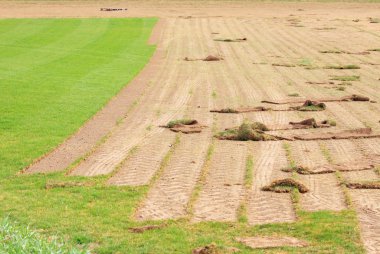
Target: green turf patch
[(56, 73)]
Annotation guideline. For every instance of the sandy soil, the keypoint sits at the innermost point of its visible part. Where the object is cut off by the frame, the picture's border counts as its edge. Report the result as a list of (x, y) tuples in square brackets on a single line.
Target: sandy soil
[(269, 207), (132, 150), (220, 197), (325, 193)]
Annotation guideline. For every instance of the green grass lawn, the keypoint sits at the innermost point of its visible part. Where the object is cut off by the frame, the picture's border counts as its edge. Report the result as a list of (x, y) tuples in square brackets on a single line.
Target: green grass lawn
[(55, 74)]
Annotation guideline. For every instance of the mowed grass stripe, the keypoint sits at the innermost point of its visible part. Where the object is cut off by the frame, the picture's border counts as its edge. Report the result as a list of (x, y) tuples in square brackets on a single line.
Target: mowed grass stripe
[(59, 75)]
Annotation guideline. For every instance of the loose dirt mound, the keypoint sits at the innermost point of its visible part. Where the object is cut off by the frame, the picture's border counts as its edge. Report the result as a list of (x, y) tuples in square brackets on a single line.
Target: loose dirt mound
[(285, 186), (264, 242), (212, 58)]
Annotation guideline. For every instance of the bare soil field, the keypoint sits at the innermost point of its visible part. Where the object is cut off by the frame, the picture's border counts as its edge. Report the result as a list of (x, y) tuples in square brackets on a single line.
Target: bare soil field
[(284, 55)]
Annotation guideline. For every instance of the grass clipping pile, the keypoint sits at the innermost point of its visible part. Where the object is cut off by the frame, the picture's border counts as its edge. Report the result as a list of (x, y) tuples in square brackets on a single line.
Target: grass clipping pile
[(247, 131), (186, 126), (285, 186)]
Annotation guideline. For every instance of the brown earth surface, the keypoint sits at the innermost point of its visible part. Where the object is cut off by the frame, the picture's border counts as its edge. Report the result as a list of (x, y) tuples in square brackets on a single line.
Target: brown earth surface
[(136, 151)]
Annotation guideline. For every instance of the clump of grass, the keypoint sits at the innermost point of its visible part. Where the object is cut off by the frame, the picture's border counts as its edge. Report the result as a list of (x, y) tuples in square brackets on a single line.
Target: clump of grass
[(173, 123), (331, 122), (377, 49), (285, 186), (346, 78), (343, 67), (305, 62), (259, 126), (293, 95), (311, 106), (17, 239), (342, 88), (247, 131)]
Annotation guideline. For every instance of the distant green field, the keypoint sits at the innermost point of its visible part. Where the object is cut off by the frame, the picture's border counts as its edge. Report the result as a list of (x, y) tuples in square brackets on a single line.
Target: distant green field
[(55, 74)]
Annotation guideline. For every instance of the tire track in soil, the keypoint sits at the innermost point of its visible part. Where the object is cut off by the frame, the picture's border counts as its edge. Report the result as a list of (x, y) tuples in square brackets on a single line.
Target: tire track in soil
[(335, 109), (282, 74), (169, 196), (141, 167), (367, 204), (220, 197), (132, 130), (269, 207), (324, 191)]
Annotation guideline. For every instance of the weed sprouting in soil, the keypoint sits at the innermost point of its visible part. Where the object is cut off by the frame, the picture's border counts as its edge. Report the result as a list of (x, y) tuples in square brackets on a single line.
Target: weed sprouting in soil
[(293, 95), (305, 62)]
